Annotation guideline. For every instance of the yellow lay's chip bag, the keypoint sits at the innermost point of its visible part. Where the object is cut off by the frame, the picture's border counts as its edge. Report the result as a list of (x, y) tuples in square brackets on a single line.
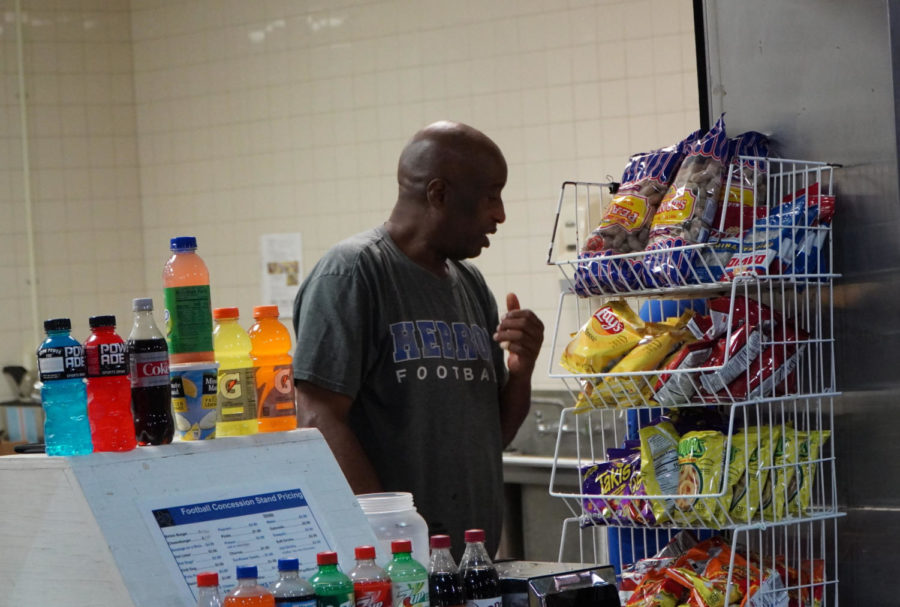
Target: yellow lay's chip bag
[(609, 334)]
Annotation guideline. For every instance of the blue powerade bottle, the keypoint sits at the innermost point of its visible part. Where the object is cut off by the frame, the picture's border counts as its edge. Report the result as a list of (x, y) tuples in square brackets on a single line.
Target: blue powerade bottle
[(61, 366)]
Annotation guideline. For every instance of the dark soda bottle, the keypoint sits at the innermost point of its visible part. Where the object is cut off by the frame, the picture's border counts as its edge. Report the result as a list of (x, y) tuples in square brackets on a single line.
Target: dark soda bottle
[(151, 397), (108, 387), (444, 583), (481, 583)]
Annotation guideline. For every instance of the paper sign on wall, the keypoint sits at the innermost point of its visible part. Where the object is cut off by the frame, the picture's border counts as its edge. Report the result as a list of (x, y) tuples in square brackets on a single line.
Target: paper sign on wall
[(282, 257)]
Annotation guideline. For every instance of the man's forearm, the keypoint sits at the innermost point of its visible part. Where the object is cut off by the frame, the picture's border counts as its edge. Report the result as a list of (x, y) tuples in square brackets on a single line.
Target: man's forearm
[(515, 401)]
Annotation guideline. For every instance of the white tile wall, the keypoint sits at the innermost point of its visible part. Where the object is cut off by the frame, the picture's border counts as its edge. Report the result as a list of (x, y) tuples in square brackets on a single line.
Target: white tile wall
[(228, 120), (88, 249)]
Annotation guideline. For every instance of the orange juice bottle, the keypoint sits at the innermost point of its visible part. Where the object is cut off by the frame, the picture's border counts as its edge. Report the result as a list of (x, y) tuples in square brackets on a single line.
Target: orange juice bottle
[(248, 593), (236, 396), (188, 311), (270, 351)]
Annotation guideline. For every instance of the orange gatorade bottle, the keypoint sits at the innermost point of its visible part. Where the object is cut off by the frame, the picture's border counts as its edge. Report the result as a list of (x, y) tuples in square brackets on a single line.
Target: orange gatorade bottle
[(188, 310), (270, 350)]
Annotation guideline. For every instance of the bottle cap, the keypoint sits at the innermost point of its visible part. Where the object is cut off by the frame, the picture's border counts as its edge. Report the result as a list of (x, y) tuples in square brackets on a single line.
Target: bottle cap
[(58, 324), (183, 243), (220, 313), (440, 541), (107, 320), (288, 565), (265, 312), (207, 578), (401, 546), (246, 571), (142, 304), (474, 535), (326, 558), (365, 552)]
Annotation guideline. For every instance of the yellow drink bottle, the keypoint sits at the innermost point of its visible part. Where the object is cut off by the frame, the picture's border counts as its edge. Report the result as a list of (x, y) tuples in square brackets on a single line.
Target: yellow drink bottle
[(271, 347), (236, 395)]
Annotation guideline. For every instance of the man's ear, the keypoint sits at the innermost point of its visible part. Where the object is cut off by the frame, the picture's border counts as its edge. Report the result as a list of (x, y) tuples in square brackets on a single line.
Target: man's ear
[(435, 191)]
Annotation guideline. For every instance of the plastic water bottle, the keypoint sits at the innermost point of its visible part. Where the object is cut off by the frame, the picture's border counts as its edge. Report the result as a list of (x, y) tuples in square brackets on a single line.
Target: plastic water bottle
[(148, 365), (333, 587), (108, 387), (236, 397), (208, 590), (371, 583), (63, 393), (444, 582), (271, 353), (291, 590), (409, 577), (248, 593), (188, 309), (481, 583)]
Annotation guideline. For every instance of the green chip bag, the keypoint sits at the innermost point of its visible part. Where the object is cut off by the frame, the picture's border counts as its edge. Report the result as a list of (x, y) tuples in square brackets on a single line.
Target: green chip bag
[(799, 490), (784, 463), (701, 457), (747, 491)]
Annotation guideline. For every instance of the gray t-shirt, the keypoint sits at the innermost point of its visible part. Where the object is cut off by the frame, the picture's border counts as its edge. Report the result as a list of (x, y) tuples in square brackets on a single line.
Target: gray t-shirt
[(415, 352)]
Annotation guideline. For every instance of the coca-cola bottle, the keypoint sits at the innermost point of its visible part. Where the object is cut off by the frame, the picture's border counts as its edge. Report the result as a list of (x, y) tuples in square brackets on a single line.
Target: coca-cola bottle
[(444, 582), (151, 399), (481, 583)]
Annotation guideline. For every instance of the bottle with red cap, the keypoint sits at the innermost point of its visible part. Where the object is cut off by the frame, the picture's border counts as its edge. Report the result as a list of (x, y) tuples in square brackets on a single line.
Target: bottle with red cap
[(108, 387), (409, 577), (371, 583), (236, 396), (481, 583), (271, 353), (148, 364), (208, 590), (444, 583), (333, 588)]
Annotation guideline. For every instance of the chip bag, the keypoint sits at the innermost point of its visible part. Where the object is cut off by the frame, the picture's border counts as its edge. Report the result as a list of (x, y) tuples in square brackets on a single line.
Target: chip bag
[(784, 463), (758, 443), (659, 466), (610, 333), (799, 491), (701, 457)]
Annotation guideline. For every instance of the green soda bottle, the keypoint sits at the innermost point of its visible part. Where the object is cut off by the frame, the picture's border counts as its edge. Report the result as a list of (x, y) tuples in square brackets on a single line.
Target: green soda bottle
[(333, 588), (409, 576)]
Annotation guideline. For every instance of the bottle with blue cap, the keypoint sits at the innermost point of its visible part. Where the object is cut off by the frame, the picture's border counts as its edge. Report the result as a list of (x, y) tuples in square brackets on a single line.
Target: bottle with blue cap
[(188, 309), (248, 593), (291, 590)]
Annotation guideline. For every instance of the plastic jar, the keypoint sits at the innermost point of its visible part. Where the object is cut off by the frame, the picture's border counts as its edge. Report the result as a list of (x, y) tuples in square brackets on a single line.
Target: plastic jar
[(393, 516)]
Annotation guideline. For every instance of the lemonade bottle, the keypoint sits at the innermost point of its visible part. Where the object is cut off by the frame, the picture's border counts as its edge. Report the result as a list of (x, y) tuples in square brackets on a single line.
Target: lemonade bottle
[(270, 351), (236, 396), (186, 290)]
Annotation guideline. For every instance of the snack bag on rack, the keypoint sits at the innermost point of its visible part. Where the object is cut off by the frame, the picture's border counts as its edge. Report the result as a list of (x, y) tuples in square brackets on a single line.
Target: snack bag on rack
[(784, 463), (800, 488), (679, 387), (769, 247), (811, 257), (687, 211), (609, 333), (701, 459), (634, 390), (807, 584), (742, 202), (625, 226), (656, 590), (659, 467), (771, 373), (753, 486), (611, 477)]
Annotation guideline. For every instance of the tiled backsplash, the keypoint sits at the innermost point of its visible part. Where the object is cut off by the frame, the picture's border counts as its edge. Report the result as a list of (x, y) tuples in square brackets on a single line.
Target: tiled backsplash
[(232, 120)]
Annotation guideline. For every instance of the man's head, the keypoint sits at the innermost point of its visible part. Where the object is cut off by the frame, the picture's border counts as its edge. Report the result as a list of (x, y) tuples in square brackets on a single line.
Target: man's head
[(450, 177)]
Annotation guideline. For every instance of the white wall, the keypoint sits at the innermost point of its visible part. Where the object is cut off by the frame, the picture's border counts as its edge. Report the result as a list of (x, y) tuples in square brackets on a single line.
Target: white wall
[(252, 118)]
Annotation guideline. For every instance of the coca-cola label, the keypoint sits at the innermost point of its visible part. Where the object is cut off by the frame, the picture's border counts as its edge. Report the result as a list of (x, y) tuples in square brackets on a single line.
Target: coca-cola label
[(104, 360), (65, 362), (149, 369)]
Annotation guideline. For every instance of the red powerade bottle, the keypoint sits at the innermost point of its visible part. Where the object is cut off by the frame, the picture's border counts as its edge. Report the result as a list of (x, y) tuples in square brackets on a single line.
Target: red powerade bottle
[(108, 387), (148, 361), (371, 584)]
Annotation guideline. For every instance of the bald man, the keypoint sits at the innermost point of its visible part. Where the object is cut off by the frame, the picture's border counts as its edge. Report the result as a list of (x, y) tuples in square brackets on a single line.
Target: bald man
[(398, 359)]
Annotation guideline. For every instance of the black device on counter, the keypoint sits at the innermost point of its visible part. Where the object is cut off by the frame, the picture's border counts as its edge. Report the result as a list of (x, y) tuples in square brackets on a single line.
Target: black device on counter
[(542, 584)]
